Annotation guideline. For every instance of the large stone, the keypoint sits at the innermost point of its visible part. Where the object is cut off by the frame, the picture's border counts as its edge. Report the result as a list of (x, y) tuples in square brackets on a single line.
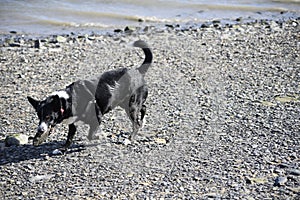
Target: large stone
[(16, 139)]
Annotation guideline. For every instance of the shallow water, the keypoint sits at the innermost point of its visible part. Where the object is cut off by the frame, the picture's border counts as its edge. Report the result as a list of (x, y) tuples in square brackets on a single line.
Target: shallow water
[(73, 15)]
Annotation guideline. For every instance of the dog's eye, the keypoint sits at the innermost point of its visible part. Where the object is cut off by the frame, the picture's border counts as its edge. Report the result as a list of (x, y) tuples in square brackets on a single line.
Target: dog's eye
[(48, 118)]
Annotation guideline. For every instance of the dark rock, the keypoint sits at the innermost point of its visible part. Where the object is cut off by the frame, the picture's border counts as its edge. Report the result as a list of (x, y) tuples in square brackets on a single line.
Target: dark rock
[(169, 25), (118, 30), (284, 165), (14, 45), (239, 19), (37, 44), (204, 26), (129, 29)]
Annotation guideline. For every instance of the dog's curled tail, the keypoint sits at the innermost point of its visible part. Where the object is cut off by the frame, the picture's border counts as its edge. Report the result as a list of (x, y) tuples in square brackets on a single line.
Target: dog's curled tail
[(148, 56)]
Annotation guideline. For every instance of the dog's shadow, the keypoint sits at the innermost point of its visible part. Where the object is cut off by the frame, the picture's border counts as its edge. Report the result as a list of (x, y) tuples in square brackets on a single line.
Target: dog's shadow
[(16, 154)]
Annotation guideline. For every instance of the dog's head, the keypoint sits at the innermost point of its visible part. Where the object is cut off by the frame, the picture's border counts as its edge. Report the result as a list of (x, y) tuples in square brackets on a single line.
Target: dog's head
[(49, 111)]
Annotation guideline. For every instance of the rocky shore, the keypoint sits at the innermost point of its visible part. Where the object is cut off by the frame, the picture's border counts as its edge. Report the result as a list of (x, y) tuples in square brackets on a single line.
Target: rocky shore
[(222, 123)]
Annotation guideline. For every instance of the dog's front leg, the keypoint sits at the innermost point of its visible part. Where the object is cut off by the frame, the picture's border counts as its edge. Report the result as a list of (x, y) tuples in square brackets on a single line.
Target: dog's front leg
[(71, 133)]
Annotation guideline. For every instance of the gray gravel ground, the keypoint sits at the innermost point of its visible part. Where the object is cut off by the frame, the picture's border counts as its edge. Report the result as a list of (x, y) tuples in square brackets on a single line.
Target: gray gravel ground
[(222, 123)]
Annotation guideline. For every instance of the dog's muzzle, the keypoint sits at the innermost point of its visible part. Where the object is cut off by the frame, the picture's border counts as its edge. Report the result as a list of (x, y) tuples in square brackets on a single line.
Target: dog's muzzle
[(43, 132)]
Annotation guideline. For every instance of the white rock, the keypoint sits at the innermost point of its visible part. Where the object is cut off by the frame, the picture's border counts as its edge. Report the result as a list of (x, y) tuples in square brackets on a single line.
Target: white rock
[(41, 177), (126, 142), (57, 152)]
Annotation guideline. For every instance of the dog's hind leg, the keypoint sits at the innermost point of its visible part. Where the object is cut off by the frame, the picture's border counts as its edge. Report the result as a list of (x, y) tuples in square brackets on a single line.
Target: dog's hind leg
[(136, 108), (94, 122), (143, 113), (92, 132), (133, 115)]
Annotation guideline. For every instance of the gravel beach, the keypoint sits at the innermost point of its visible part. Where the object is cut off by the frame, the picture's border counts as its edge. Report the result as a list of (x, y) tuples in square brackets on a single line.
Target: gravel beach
[(222, 120)]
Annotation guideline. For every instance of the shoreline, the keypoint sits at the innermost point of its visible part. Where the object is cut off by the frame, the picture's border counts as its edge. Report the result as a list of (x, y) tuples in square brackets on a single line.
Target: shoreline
[(222, 118), (143, 27)]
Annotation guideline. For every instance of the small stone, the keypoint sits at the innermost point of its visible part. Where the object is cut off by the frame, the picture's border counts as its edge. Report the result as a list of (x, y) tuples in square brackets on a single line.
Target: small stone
[(118, 30), (283, 165), (211, 195), (14, 45), (129, 29), (20, 75), (280, 181), (160, 141), (81, 36), (267, 103), (239, 19), (295, 189), (294, 172), (41, 177), (23, 60), (204, 26), (294, 23), (37, 44), (57, 152), (61, 39), (169, 25), (126, 142), (216, 21), (255, 180), (286, 99), (16, 139), (92, 38)]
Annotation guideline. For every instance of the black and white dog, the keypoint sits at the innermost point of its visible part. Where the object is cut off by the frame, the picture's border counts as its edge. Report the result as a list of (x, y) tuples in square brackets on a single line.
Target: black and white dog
[(88, 100)]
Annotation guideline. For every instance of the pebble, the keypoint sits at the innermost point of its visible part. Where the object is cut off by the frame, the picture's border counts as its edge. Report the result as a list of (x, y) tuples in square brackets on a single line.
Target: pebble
[(280, 181), (61, 39), (57, 152), (129, 29), (294, 171), (41, 177), (126, 142), (37, 44)]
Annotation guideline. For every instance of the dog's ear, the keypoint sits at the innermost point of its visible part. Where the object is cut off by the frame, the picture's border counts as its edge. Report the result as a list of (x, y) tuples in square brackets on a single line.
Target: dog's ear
[(56, 103), (33, 102)]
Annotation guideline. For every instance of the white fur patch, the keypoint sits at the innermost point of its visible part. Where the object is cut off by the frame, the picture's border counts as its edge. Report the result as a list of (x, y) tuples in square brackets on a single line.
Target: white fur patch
[(61, 94), (43, 126), (114, 91), (143, 122)]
